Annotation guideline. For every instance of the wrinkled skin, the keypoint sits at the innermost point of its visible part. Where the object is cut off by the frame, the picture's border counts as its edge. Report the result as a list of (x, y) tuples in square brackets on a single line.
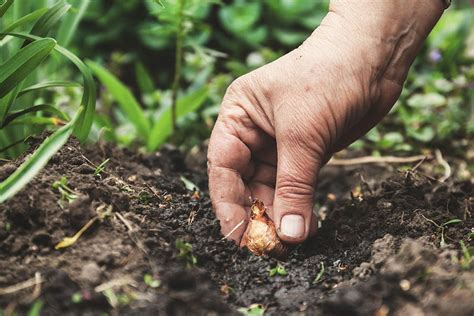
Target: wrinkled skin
[(279, 124)]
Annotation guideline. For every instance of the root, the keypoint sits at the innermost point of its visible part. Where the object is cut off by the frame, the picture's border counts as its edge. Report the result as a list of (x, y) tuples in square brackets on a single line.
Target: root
[(444, 163)]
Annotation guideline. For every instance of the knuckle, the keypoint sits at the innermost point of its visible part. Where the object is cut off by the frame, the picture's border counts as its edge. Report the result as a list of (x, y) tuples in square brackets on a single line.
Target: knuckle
[(237, 87), (293, 189)]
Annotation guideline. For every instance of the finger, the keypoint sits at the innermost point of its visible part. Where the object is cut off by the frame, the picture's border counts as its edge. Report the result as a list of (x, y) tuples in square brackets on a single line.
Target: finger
[(229, 155), (298, 167), (226, 186)]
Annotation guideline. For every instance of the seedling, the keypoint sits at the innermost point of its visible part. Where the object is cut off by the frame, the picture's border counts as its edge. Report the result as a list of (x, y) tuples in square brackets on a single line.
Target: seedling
[(278, 270), (76, 298), (35, 309), (441, 228), (320, 274), (189, 184), (466, 260), (186, 252), (100, 168), (69, 241), (67, 194), (252, 310), (150, 281)]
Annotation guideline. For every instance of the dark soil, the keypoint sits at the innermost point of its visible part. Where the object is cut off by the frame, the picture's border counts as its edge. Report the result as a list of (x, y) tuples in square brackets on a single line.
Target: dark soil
[(380, 247)]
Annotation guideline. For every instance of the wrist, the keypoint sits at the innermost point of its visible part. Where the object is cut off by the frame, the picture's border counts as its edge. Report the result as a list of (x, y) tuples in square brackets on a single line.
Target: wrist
[(384, 35)]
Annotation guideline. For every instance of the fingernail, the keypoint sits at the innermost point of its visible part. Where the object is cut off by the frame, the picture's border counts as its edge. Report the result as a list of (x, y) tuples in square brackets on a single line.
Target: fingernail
[(292, 225)]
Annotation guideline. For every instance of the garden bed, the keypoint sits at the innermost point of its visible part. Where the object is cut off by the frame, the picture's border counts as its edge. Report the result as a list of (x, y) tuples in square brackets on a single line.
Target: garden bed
[(377, 253)]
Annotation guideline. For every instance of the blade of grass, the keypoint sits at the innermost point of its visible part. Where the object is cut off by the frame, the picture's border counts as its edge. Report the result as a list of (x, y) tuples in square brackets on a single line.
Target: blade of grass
[(37, 120), (5, 7), (124, 97), (144, 81), (50, 18), (24, 20), (36, 108), (84, 122), (69, 24), (49, 84), (163, 127), (30, 168), (20, 65)]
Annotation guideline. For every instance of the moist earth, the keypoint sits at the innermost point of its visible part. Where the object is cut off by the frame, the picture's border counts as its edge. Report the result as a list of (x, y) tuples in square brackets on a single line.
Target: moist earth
[(154, 245)]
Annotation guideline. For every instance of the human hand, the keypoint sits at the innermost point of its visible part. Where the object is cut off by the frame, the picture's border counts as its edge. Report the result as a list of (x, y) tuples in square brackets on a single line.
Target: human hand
[(279, 124)]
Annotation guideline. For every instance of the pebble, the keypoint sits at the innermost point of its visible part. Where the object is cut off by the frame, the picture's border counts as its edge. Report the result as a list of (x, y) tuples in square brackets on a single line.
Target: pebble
[(90, 273)]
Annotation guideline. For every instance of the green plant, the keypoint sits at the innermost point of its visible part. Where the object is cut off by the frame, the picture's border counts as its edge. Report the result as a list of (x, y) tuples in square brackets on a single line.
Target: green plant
[(67, 194), (76, 298), (152, 130), (150, 281), (186, 252), (21, 114), (35, 309), (320, 274), (468, 255), (252, 310), (278, 270), (441, 228), (101, 167)]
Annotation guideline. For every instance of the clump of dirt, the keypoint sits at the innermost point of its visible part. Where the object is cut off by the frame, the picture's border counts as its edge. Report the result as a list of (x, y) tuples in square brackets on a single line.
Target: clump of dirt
[(156, 246)]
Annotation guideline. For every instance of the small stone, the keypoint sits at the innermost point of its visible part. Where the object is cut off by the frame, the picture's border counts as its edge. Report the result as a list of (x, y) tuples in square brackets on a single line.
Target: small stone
[(91, 273), (405, 285), (383, 204)]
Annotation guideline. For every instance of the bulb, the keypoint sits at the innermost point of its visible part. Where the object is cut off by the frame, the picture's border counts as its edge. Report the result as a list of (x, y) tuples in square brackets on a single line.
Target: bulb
[(261, 237)]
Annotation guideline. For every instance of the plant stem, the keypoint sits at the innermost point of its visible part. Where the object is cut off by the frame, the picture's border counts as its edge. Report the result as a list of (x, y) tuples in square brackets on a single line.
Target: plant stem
[(178, 61)]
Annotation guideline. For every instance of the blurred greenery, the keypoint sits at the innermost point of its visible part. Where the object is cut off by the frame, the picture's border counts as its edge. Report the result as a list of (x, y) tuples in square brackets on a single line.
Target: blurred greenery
[(131, 47)]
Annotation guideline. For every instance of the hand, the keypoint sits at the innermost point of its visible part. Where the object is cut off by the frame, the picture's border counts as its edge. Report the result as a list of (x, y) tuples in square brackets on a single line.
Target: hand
[(279, 124)]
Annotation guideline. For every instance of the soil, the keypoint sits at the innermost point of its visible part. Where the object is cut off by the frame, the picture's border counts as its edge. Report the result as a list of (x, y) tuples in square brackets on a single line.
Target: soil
[(377, 251)]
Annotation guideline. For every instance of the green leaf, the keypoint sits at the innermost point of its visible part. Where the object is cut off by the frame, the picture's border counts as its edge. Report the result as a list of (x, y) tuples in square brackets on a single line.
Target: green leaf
[(144, 80), (252, 310), (427, 100), (35, 120), (124, 97), (34, 163), (69, 23), (84, 122), (20, 65), (35, 309), (49, 19), (49, 84), (24, 20), (452, 221), (7, 101), (189, 184), (240, 17), (42, 107), (162, 128), (5, 7)]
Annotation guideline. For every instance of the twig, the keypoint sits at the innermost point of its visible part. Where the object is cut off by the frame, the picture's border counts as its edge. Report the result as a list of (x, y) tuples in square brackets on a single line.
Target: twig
[(371, 159), (132, 233), (37, 290), (126, 222), (233, 229), (444, 163), (21, 286), (431, 221)]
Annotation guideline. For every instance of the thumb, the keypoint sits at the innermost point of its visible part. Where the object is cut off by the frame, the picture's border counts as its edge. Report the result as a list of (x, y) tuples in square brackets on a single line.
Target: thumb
[(297, 170)]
